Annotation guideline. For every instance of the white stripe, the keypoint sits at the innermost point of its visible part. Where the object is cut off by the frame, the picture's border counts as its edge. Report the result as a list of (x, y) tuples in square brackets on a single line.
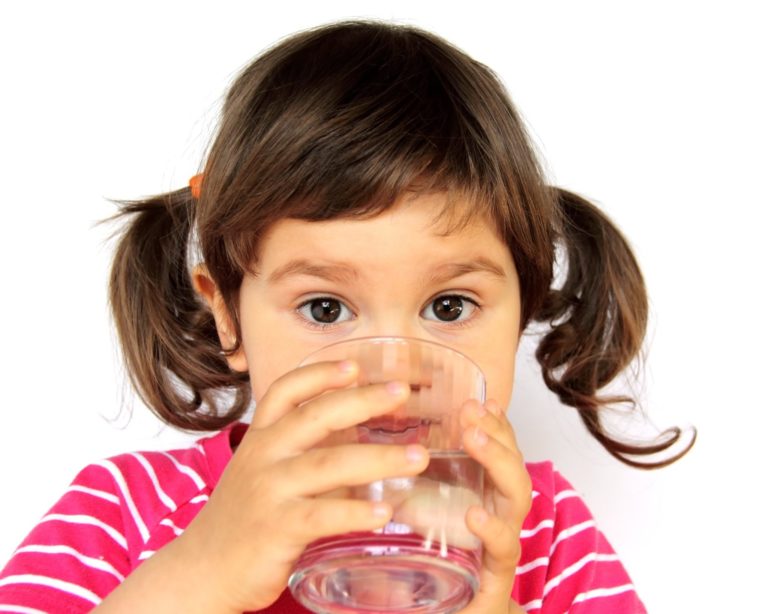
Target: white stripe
[(85, 560), (83, 519), (544, 524), (532, 605), (169, 523), (146, 554), (540, 562), (66, 587), (188, 471), (167, 501), (96, 493), (603, 592), (534, 494), (569, 571), (564, 494), (199, 499), (112, 468), (570, 532), (6, 607)]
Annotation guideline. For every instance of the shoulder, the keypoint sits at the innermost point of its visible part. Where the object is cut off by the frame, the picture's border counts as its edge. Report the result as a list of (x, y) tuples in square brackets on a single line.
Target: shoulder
[(146, 479), (546, 480), (151, 485), (165, 473), (553, 511), (554, 497), (105, 523), (566, 560)]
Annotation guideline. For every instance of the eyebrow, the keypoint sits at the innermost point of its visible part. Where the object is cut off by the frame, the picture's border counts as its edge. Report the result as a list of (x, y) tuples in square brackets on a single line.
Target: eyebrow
[(339, 272), (346, 273), (450, 270)]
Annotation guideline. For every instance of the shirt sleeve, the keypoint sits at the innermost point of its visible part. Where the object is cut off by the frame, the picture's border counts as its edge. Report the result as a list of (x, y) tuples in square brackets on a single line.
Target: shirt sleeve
[(75, 555), (584, 574)]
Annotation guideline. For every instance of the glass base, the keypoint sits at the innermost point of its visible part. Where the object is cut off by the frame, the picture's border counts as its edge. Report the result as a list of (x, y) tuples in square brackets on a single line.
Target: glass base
[(364, 575)]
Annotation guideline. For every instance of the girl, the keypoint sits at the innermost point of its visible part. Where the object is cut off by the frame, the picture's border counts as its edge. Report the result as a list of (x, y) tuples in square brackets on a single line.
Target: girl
[(366, 179)]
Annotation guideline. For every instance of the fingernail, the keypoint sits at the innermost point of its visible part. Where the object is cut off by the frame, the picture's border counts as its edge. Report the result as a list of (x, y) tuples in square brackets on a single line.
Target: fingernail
[(480, 437), (396, 389), (346, 366), (414, 454), (480, 410)]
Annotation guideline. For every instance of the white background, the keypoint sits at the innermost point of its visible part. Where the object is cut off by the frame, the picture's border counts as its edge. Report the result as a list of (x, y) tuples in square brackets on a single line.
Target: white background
[(656, 112)]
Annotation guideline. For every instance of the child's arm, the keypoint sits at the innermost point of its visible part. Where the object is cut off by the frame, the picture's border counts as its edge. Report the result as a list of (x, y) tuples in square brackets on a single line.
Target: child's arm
[(566, 564), (238, 553), (583, 571), (561, 562), (75, 555)]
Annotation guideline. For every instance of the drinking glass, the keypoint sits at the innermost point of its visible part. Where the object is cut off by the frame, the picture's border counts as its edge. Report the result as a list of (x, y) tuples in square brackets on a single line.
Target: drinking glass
[(425, 560)]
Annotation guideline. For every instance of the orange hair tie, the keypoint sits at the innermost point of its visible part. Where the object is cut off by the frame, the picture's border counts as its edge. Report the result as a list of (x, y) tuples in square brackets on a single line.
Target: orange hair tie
[(195, 185)]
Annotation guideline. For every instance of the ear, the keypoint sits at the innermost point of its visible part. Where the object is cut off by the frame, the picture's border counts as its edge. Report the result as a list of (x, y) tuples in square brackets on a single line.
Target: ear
[(209, 292)]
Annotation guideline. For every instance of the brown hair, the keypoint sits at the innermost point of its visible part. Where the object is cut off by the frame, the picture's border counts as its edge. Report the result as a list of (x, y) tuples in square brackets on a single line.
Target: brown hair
[(338, 122)]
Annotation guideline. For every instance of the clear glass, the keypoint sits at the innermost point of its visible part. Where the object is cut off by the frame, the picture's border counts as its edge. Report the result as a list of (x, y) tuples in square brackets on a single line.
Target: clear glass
[(425, 560)]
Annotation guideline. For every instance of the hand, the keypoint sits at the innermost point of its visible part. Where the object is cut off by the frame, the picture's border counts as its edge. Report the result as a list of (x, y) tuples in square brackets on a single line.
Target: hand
[(489, 438), (265, 511)]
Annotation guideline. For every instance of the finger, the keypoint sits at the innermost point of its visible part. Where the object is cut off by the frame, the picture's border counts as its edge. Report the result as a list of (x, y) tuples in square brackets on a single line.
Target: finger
[(311, 519), (299, 386), (493, 406), (505, 467), (491, 419), (501, 554), (501, 546), (324, 469), (311, 423)]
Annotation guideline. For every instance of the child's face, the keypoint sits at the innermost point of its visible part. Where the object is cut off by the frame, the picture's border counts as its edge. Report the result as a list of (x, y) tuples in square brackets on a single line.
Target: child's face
[(380, 276)]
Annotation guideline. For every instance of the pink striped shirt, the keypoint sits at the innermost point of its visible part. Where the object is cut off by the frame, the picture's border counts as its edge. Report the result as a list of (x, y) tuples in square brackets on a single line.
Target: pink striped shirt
[(118, 512)]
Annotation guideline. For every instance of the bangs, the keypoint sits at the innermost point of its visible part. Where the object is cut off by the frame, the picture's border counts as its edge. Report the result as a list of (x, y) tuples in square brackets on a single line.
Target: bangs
[(342, 121)]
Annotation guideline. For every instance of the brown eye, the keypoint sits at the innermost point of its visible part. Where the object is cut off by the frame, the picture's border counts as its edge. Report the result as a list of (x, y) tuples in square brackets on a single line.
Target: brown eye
[(325, 310), (448, 308)]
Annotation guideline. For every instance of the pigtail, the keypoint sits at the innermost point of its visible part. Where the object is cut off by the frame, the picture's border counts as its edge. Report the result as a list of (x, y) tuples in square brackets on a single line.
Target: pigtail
[(168, 335), (598, 318)]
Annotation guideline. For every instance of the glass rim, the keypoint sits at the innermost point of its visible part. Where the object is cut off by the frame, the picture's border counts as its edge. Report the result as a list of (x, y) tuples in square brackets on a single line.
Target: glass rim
[(392, 339)]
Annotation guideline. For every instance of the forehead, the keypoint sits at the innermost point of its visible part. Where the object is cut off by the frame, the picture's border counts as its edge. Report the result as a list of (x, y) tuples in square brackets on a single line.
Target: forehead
[(411, 233)]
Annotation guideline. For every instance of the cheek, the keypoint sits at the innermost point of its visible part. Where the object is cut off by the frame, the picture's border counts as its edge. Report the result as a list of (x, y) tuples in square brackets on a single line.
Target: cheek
[(269, 358), (270, 352), (269, 367), (499, 380), (270, 355), (496, 357), (261, 379)]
